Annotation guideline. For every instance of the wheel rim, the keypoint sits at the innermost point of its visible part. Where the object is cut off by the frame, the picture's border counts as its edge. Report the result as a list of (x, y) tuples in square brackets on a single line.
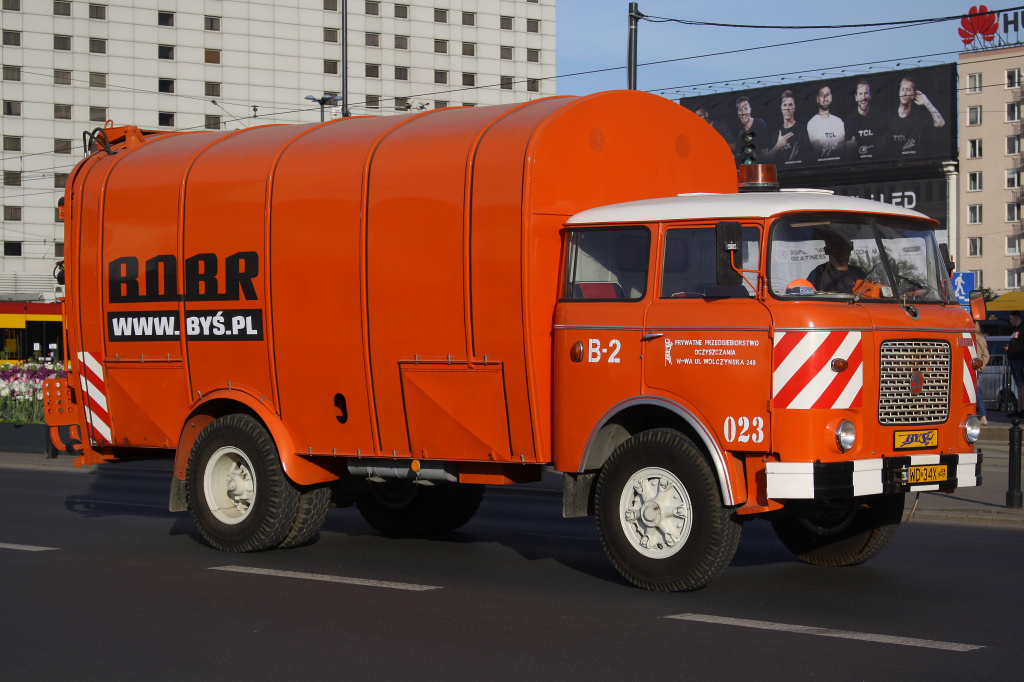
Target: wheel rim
[(230, 485), (655, 512)]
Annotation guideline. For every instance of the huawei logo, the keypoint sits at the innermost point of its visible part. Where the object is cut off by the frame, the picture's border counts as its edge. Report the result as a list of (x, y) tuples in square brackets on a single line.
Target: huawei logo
[(979, 23)]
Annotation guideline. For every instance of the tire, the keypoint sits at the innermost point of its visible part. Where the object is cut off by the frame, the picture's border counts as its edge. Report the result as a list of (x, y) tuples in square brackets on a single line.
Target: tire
[(235, 487), (656, 549), (404, 509), (840, 532), (313, 506)]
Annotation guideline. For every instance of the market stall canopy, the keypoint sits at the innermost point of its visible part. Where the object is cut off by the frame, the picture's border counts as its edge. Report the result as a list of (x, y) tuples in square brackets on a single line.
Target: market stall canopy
[(1011, 301)]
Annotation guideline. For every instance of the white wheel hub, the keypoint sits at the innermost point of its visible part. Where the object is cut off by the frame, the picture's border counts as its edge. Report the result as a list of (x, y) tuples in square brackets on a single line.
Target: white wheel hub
[(230, 485), (655, 512)]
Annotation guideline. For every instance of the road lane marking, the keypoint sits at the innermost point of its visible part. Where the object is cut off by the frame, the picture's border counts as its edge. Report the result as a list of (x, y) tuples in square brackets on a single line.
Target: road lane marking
[(109, 503), (826, 632), (326, 578), (26, 548)]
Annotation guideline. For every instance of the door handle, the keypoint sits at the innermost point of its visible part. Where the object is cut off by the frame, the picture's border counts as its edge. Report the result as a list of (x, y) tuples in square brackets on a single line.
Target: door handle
[(650, 336)]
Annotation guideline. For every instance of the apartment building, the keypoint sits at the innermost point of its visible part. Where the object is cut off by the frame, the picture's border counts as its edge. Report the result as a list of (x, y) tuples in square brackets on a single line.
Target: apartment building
[(71, 66), (990, 195)]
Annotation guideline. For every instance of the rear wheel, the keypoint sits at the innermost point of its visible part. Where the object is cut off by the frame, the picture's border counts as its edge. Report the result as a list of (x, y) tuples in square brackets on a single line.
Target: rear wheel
[(405, 509), (843, 532), (660, 516), (236, 490)]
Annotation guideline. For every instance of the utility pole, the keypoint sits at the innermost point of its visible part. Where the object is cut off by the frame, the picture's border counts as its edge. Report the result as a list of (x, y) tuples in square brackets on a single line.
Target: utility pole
[(634, 19), (344, 59)]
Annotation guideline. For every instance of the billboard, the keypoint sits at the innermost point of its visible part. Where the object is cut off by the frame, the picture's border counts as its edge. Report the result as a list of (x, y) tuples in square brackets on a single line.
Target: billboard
[(852, 121)]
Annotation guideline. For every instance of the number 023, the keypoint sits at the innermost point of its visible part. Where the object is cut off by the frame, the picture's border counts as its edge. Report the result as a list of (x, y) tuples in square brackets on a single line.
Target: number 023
[(744, 430)]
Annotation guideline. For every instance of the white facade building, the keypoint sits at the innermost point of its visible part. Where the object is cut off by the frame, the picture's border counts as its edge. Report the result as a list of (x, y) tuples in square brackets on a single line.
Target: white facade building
[(69, 67)]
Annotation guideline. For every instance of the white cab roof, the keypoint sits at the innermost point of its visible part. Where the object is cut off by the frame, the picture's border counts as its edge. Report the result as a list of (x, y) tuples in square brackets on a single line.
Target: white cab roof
[(727, 206)]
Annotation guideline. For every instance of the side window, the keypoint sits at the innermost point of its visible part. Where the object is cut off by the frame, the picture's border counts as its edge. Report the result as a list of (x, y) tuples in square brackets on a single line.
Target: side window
[(690, 269), (608, 264)]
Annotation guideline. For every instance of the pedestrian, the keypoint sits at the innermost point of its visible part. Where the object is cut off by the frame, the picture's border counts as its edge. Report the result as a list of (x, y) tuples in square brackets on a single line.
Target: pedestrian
[(1015, 356), (983, 355)]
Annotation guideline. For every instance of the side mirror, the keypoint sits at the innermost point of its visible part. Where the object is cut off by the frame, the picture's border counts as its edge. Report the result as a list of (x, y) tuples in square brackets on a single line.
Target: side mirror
[(730, 241), (979, 310)]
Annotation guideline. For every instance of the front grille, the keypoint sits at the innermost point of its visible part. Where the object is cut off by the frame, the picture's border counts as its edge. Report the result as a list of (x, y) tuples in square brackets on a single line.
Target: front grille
[(897, 405)]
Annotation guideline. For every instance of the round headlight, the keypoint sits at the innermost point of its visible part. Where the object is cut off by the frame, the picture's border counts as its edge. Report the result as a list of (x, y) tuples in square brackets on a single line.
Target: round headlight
[(846, 435), (972, 429)]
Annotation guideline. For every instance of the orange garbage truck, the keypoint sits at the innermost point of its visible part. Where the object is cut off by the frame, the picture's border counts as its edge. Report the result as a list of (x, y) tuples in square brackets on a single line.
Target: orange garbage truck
[(395, 312)]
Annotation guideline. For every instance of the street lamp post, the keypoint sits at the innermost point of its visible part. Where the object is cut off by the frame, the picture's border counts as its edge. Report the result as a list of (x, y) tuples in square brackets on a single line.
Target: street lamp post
[(324, 101)]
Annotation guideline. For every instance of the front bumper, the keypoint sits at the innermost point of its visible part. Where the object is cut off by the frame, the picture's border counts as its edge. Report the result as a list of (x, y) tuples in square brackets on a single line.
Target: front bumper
[(857, 478)]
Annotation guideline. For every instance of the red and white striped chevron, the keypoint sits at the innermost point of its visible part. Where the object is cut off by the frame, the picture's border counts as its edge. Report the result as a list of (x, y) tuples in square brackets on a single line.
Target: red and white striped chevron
[(970, 374), (94, 388), (802, 374)]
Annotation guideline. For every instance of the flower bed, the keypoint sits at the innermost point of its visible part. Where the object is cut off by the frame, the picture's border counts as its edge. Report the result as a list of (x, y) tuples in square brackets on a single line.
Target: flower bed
[(21, 390)]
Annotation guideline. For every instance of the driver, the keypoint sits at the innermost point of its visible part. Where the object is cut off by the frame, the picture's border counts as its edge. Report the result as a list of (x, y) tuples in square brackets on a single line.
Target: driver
[(836, 274)]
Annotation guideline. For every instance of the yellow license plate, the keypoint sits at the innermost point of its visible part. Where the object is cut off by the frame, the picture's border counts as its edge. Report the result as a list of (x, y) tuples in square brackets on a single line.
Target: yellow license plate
[(916, 440), (930, 473)]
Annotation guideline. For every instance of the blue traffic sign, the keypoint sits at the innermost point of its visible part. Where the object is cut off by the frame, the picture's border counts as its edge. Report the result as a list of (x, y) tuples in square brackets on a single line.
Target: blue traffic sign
[(963, 283)]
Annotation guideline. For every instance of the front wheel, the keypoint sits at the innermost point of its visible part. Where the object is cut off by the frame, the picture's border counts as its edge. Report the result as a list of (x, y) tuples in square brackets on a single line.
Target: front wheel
[(660, 516), (843, 532)]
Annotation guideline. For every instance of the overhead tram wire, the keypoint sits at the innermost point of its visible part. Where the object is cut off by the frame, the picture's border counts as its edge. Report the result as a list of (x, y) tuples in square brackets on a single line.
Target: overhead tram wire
[(894, 24)]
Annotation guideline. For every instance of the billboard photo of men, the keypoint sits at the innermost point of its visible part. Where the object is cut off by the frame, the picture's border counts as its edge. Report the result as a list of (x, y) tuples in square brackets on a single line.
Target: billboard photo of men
[(748, 122), (790, 139), (826, 132), (867, 127), (915, 118)]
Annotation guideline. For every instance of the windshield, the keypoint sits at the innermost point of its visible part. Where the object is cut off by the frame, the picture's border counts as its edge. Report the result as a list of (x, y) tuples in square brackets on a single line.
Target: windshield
[(855, 258)]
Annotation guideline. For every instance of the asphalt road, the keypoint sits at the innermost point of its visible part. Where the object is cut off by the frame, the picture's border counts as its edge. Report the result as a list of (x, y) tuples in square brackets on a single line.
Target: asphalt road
[(126, 590)]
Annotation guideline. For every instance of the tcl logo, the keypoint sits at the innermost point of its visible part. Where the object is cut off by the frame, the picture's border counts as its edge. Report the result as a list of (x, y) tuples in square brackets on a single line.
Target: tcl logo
[(203, 278)]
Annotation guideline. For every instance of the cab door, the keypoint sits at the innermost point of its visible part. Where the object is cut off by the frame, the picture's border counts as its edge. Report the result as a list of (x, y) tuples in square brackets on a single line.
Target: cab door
[(598, 330), (709, 345)]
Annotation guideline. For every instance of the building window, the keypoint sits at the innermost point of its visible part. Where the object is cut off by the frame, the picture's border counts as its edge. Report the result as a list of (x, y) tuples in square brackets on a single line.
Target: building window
[(12, 248), (469, 104), (61, 146), (533, 85), (12, 178), (974, 246), (58, 248), (213, 122), (974, 116), (401, 42), (532, 55), (1012, 247), (402, 104), (1012, 178), (62, 42), (12, 38), (974, 214), (441, 46), (1012, 144), (12, 108), (12, 143), (211, 56), (331, 66), (469, 79), (61, 77), (211, 23), (506, 52), (1013, 78), (12, 213), (974, 82), (12, 5), (165, 118), (97, 46), (506, 82), (1012, 276), (440, 16), (331, 35), (212, 89), (974, 181), (401, 73), (62, 112), (60, 180), (165, 85), (533, 25), (373, 101), (1012, 112), (974, 149), (98, 12), (62, 9), (98, 114), (468, 49), (373, 8), (1012, 212), (12, 73), (441, 77), (505, 23), (331, 5), (469, 18), (165, 18), (372, 39), (401, 11), (372, 71), (97, 80), (440, 104), (165, 51)]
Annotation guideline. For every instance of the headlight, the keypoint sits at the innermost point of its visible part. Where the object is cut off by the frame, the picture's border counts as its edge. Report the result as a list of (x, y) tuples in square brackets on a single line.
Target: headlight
[(846, 435), (972, 429)]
